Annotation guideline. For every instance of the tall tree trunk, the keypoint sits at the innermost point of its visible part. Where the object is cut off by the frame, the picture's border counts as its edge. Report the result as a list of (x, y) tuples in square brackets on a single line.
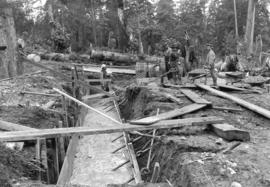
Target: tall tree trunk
[(94, 23), (250, 26), (235, 18), (9, 59)]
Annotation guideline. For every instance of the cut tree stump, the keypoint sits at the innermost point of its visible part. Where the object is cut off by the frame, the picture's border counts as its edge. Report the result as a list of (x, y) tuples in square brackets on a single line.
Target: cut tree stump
[(230, 133)]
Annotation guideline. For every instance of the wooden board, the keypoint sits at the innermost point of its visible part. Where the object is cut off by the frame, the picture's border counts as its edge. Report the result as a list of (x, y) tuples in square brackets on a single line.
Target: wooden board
[(168, 115), (67, 167), (227, 108), (58, 132), (264, 112), (4, 125), (172, 98), (98, 80), (195, 97), (94, 96), (110, 70), (234, 88), (180, 86), (229, 132)]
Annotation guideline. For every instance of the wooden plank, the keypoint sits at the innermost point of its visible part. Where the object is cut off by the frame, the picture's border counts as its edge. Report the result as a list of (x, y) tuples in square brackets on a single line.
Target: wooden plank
[(234, 88), (229, 132), (65, 77), (180, 86), (94, 96), (195, 97), (61, 146), (42, 94), (98, 80), (67, 168), (58, 132), (227, 108), (253, 107), (172, 98), (85, 105), (110, 70), (168, 115), (4, 125)]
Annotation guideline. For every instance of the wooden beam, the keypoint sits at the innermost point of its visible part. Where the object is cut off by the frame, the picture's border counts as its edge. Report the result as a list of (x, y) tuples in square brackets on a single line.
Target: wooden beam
[(195, 97), (22, 76), (4, 125), (64, 77), (253, 107), (81, 131), (227, 108), (98, 80), (42, 94), (168, 115), (85, 105)]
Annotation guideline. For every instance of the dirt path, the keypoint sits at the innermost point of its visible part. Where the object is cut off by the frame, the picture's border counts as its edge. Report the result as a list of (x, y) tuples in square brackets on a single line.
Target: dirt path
[(94, 160)]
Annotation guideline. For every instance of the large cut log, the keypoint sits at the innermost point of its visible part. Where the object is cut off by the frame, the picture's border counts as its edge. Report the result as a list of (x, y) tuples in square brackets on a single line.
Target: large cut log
[(81, 131), (102, 56), (253, 107)]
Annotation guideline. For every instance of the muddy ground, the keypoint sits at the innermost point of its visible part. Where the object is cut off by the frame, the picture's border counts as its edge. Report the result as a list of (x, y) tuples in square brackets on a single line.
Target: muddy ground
[(192, 156)]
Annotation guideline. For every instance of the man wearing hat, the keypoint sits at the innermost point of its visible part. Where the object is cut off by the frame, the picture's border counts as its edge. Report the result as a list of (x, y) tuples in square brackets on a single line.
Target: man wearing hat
[(174, 59), (104, 75), (210, 60)]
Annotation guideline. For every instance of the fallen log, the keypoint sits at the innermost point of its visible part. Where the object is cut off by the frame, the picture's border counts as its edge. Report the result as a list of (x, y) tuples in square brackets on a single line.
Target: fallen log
[(102, 56), (81, 131), (253, 107)]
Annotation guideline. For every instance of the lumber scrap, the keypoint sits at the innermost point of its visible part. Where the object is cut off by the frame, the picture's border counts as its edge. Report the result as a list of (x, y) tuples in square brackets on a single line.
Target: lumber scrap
[(227, 108), (194, 97), (168, 115), (234, 88), (262, 111), (180, 86), (110, 70), (94, 96), (140, 185), (172, 98), (22, 76), (81, 131), (98, 80), (229, 132), (8, 126), (66, 78), (42, 94)]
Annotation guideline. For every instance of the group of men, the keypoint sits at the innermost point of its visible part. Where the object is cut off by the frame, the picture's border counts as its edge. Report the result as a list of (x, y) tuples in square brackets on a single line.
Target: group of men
[(174, 63)]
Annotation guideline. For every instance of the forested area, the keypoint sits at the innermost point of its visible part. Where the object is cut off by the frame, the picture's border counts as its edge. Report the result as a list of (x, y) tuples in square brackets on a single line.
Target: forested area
[(126, 23), (134, 93)]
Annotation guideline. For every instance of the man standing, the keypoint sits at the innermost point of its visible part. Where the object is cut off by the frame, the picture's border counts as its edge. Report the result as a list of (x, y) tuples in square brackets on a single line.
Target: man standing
[(104, 75), (174, 66), (210, 60)]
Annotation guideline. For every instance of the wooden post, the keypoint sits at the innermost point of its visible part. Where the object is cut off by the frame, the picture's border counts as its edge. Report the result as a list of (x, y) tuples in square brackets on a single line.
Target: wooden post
[(44, 158), (56, 163), (64, 107), (62, 146), (38, 157)]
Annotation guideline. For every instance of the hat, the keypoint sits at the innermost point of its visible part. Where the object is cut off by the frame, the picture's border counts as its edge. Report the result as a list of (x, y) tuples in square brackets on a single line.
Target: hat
[(103, 66), (209, 44)]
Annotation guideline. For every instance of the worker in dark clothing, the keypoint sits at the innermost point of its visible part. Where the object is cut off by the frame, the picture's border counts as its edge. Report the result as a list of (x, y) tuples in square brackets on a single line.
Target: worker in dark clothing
[(174, 66), (104, 75)]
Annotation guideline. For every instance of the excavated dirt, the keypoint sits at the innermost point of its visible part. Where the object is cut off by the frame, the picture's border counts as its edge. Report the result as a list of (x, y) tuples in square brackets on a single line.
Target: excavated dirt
[(191, 156)]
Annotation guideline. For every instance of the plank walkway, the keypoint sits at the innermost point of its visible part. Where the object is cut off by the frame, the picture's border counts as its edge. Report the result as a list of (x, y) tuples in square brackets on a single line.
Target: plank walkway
[(94, 160)]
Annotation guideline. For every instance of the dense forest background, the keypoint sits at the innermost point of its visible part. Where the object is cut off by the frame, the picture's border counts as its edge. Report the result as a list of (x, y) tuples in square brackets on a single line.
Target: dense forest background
[(82, 22)]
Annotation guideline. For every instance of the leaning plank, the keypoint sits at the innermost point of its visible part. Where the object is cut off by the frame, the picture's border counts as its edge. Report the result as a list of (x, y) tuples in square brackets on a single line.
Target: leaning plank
[(58, 132), (194, 97), (229, 132), (42, 94), (85, 105), (253, 107), (67, 167), (168, 115), (64, 77), (98, 80), (4, 125), (234, 88), (180, 86)]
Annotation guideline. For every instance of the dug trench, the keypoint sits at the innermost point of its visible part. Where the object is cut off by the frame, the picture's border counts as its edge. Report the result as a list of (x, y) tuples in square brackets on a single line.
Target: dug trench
[(192, 156)]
